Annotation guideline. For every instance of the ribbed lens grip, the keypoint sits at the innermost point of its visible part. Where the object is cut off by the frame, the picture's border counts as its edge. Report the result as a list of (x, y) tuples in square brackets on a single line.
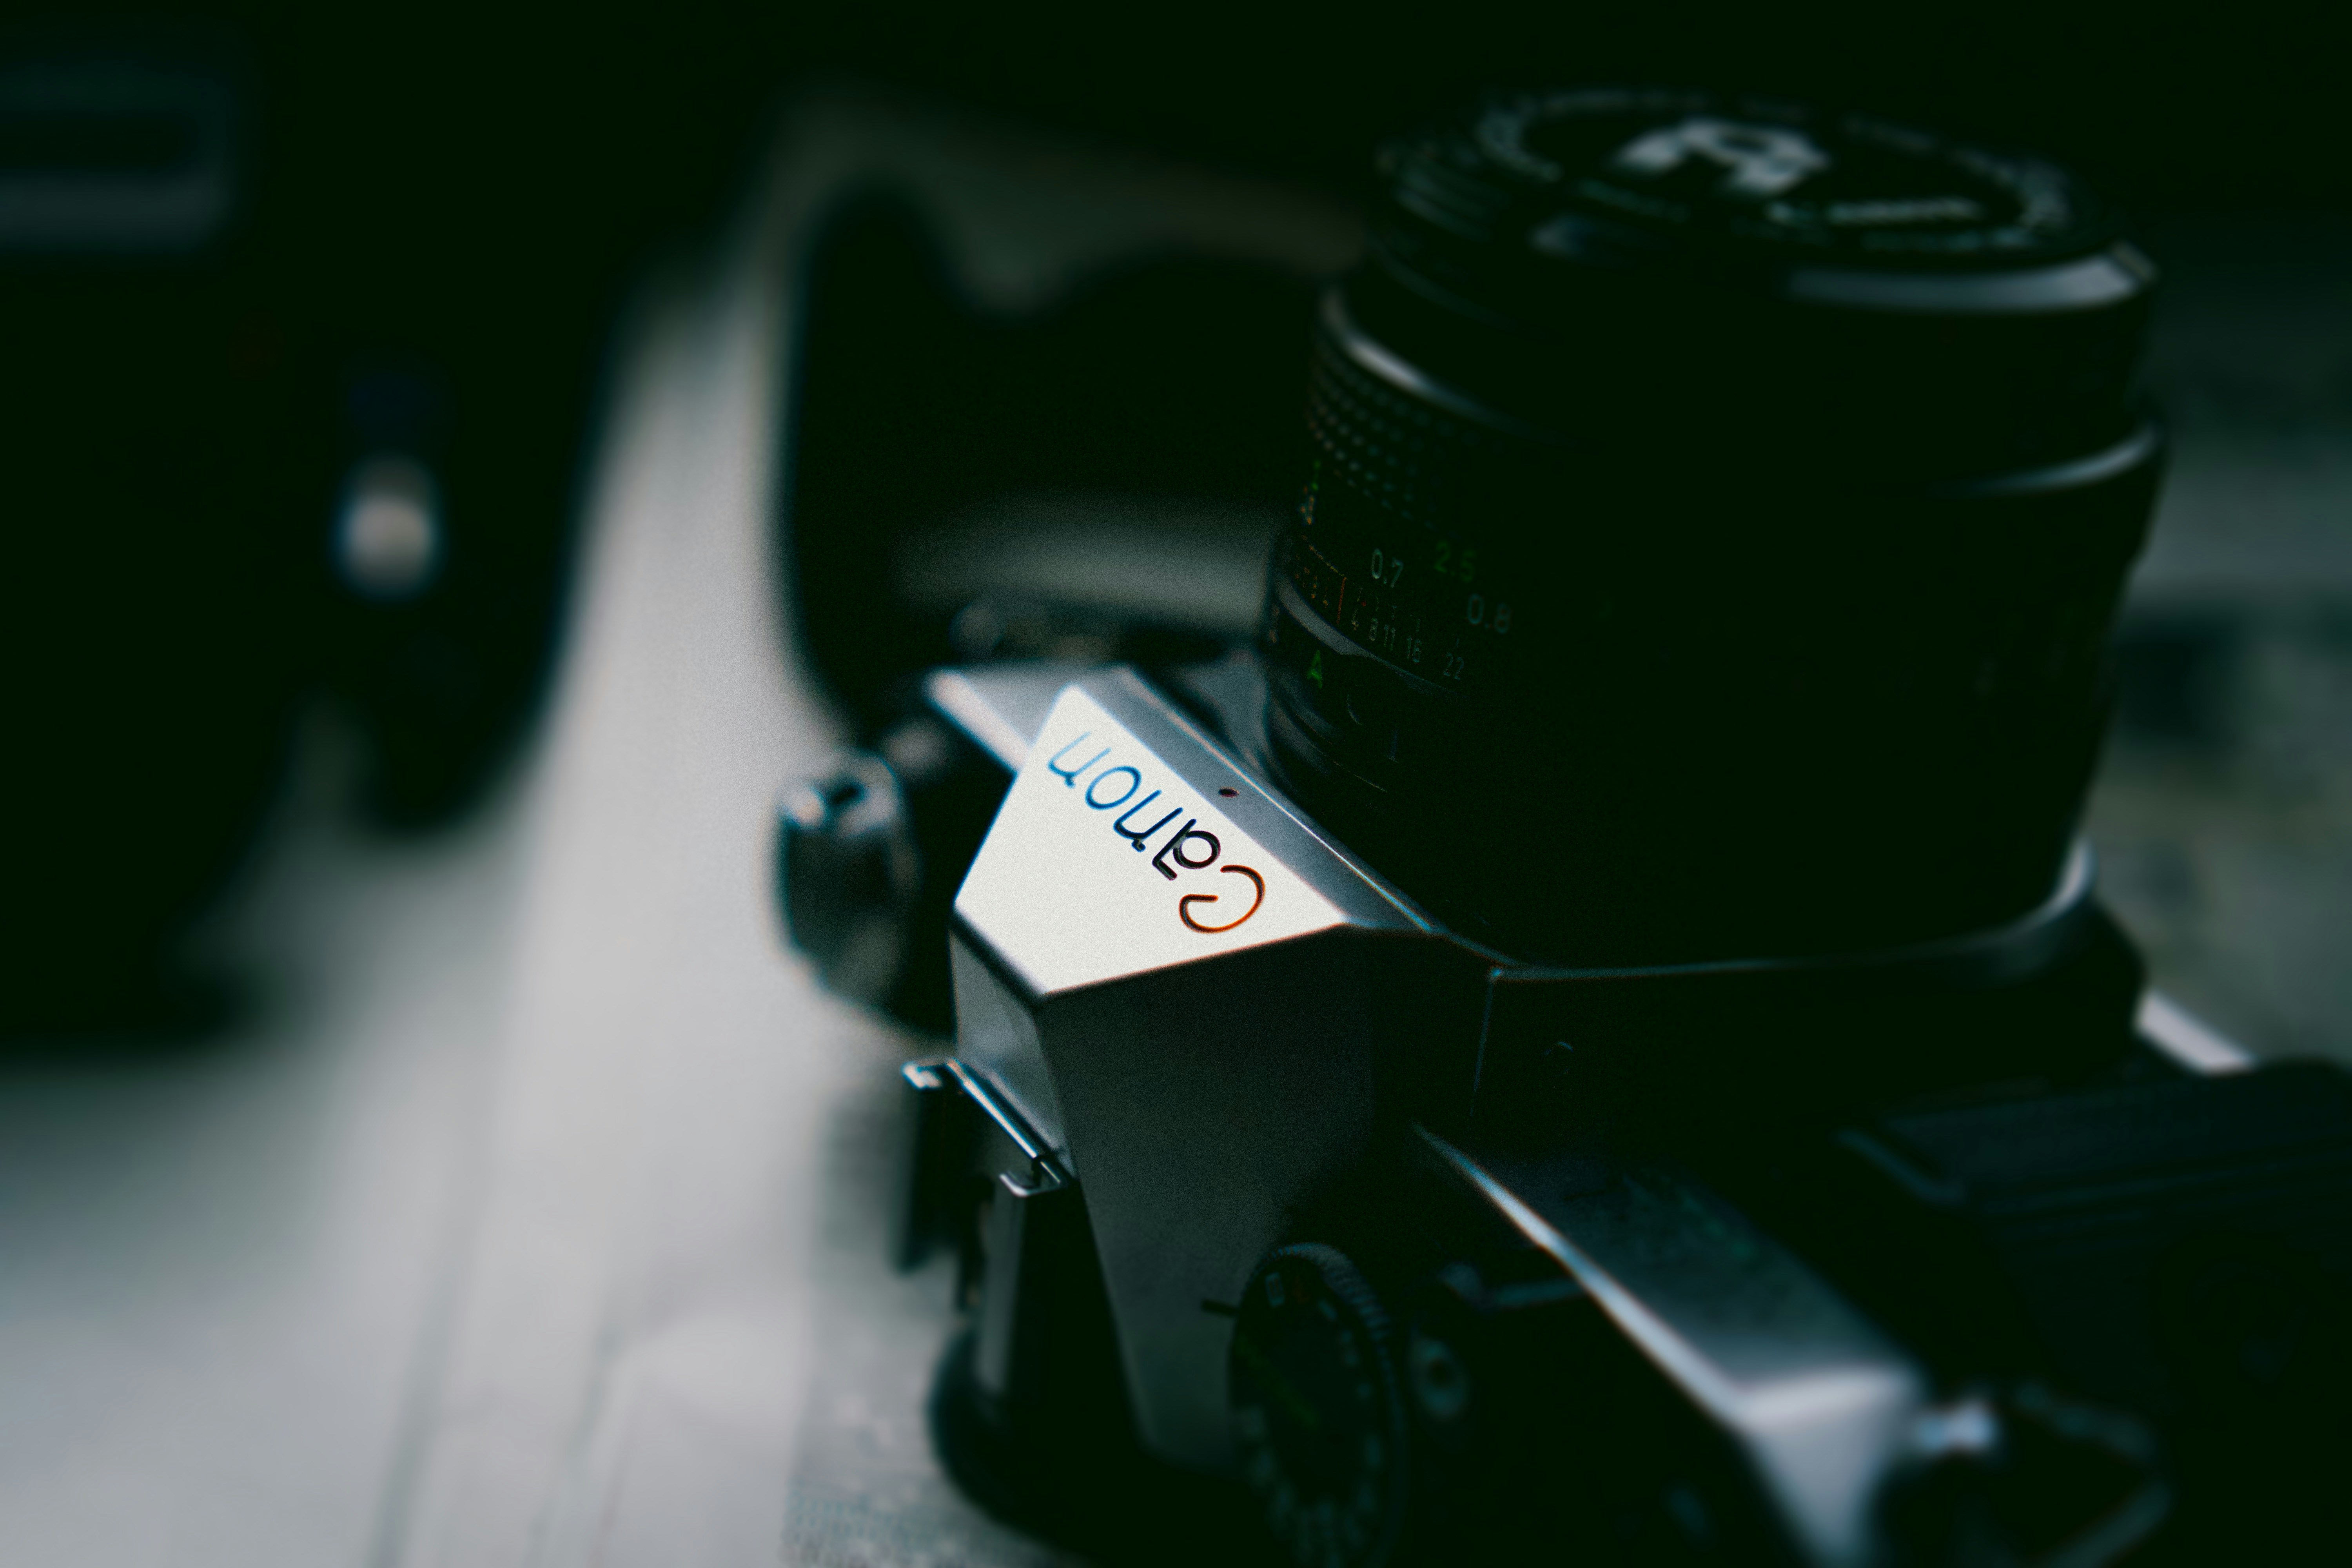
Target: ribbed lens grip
[(1665, 589)]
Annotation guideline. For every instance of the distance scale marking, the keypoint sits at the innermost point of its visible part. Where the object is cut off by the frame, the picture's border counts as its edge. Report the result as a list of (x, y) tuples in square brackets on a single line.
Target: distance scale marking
[(1422, 603)]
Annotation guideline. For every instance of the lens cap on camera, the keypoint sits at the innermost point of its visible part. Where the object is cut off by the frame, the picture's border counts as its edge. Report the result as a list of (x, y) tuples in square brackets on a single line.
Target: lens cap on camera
[(1617, 264), (1712, 517)]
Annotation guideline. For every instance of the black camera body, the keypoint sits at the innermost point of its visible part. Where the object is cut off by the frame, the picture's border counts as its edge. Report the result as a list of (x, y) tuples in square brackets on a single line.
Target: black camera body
[(1595, 1035)]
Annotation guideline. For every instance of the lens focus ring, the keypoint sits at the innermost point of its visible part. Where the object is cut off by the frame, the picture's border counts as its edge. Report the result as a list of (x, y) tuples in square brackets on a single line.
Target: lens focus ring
[(1643, 605)]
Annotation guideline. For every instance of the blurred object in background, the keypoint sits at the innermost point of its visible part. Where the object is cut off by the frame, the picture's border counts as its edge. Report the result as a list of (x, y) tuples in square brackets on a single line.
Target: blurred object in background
[(157, 451), (387, 544), (1077, 448), (2224, 812), (301, 321), (1097, 476), (430, 638), (471, 196)]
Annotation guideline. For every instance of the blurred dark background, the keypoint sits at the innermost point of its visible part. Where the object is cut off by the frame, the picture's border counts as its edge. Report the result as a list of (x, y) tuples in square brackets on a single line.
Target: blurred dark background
[(328, 432)]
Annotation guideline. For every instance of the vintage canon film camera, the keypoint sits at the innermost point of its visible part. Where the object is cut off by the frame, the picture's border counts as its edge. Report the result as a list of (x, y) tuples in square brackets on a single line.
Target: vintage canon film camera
[(1593, 1040)]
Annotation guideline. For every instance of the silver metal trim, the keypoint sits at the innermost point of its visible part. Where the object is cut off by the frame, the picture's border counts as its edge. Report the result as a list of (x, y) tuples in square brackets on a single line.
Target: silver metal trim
[(1410, 912), (2048, 921), (1822, 1403), (1002, 706), (998, 1108), (2188, 1040)]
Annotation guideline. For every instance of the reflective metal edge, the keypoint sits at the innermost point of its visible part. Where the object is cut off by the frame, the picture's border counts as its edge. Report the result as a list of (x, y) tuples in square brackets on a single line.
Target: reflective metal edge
[(1377, 361), (1011, 703), (2188, 1039), (1362, 894), (1002, 706), (1823, 1428)]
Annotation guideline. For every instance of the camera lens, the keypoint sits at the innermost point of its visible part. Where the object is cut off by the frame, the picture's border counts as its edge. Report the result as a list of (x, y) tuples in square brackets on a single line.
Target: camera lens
[(1713, 517)]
